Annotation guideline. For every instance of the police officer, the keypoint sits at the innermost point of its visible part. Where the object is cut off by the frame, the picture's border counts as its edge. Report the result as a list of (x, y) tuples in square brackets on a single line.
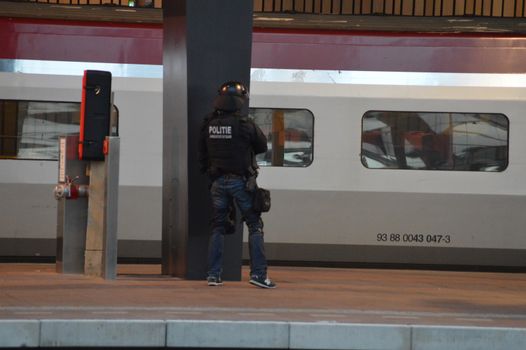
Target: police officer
[(228, 143)]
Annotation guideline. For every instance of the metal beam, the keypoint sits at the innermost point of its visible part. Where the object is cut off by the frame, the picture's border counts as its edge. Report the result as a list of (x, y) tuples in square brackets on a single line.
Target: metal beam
[(205, 44)]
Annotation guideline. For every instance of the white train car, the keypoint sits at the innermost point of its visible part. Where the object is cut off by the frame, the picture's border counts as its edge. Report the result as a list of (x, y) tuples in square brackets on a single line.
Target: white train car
[(374, 168), (341, 194), (449, 192), (27, 206)]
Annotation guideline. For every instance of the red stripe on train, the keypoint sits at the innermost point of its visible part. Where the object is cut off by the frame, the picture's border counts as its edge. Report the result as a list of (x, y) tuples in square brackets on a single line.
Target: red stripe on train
[(272, 48)]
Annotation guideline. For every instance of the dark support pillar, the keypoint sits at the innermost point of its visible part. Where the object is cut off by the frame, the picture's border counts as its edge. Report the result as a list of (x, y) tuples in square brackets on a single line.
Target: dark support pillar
[(205, 44)]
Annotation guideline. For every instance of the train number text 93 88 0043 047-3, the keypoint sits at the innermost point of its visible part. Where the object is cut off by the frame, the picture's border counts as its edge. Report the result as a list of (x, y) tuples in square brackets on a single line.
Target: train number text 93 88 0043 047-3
[(414, 238)]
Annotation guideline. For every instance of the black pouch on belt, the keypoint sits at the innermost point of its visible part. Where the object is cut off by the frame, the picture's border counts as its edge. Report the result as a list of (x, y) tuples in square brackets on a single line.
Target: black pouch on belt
[(261, 200)]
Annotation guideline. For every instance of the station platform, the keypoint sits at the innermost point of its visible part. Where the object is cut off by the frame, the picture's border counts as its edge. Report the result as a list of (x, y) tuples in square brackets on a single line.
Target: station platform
[(312, 308)]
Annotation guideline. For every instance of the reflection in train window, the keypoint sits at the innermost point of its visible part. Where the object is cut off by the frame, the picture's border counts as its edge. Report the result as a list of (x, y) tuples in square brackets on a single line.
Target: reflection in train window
[(289, 133), (30, 129), (435, 141)]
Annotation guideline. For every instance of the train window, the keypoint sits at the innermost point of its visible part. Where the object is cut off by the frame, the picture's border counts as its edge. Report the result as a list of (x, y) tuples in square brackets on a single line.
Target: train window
[(289, 133), (435, 141), (30, 129)]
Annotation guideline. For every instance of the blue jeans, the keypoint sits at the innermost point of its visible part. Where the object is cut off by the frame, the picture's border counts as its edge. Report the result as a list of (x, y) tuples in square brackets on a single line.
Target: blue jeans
[(222, 191)]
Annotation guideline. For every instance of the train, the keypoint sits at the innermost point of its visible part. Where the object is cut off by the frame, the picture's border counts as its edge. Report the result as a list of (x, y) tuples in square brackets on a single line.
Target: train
[(397, 150)]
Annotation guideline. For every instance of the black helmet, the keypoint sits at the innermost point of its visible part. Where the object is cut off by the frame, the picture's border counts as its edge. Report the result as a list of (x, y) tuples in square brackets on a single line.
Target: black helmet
[(233, 88)]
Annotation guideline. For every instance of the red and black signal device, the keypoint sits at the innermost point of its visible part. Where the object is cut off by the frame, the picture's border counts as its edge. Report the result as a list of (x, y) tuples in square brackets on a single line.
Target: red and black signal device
[(95, 112)]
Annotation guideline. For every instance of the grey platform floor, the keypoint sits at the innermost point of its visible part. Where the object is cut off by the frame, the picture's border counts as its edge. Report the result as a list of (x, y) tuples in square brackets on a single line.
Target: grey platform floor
[(312, 308)]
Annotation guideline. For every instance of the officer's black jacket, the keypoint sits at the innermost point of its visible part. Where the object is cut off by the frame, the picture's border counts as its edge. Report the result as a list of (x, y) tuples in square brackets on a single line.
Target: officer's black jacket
[(228, 142)]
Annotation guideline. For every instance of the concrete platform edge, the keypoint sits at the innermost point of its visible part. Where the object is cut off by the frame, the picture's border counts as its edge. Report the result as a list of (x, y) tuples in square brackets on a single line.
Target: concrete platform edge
[(19, 333), (253, 334)]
